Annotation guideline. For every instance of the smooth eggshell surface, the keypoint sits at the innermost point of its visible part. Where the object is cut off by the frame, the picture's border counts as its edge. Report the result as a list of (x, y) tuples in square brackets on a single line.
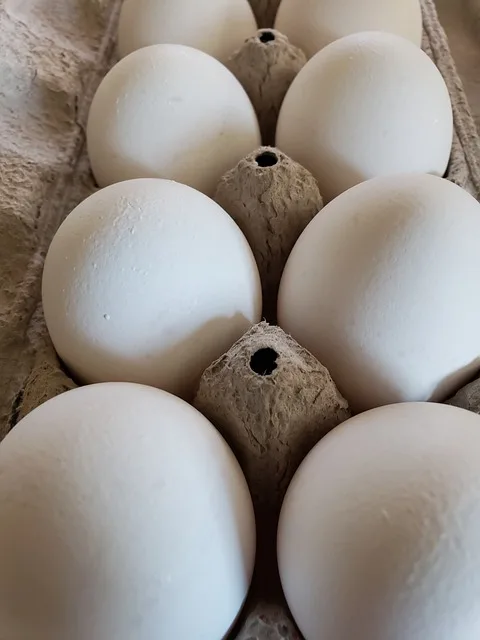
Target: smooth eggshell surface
[(313, 24), (381, 288), (170, 111), (123, 515), (369, 104), (148, 281), (217, 27), (378, 534)]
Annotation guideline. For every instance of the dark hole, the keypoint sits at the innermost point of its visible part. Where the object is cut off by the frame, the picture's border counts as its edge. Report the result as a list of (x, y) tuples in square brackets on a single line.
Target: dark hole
[(266, 36), (264, 361), (266, 159)]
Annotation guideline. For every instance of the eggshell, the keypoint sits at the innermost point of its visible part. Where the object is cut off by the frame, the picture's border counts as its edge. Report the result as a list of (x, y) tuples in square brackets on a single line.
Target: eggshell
[(381, 288), (369, 104), (217, 27), (148, 281), (170, 111), (123, 515), (378, 534), (313, 24)]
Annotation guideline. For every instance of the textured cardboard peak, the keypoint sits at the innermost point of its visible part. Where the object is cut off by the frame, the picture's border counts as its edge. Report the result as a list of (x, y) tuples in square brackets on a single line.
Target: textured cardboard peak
[(272, 199), (468, 398), (266, 66), (267, 621), (272, 401)]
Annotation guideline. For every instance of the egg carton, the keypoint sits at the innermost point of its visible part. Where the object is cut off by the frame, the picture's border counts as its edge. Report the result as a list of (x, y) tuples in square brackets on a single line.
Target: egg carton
[(53, 57)]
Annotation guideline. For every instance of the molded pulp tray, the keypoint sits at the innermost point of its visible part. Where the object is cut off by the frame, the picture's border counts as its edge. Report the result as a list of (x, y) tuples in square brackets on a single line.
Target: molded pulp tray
[(51, 63)]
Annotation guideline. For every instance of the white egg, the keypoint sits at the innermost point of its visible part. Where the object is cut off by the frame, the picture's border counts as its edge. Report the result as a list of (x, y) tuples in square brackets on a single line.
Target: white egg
[(369, 104), (170, 111), (313, 24), (381, 288), (217, 27), (123, 515), (148, 281), (378, 534)]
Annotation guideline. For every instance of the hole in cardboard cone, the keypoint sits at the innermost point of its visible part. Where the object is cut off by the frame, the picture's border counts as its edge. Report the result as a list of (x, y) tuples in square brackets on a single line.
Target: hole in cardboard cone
[(264, 361), (266, 37), (266, 159)]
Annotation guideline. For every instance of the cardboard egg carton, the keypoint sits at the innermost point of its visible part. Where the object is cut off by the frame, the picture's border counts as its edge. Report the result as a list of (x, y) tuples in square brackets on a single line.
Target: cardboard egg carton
[(53, 57)]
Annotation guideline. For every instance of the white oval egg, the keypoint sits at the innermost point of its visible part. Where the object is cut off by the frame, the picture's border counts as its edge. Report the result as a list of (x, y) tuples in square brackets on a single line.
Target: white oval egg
[(148, 281), (313, 24), (381, 285), (170, 111), (217, 27), (123, 515), (379, 529), (369, 104)]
